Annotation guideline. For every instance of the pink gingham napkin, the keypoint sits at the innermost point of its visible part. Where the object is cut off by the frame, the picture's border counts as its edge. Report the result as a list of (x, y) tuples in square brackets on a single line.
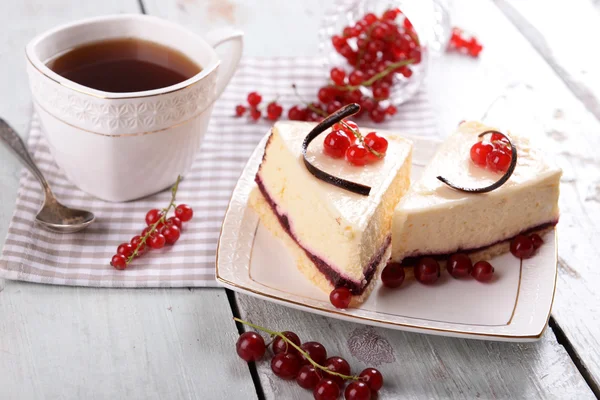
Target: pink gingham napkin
[(82, 259)]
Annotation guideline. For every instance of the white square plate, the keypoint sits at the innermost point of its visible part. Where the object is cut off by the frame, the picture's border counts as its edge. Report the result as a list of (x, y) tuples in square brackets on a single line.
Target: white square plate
[(515, 306)]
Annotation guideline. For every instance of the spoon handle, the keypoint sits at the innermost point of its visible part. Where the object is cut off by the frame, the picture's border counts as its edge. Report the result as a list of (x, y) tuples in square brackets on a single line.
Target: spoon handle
[(14, 142)]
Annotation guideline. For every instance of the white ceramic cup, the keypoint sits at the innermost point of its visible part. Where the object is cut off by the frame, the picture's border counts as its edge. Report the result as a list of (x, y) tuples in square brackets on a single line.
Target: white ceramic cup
[(123, 146)]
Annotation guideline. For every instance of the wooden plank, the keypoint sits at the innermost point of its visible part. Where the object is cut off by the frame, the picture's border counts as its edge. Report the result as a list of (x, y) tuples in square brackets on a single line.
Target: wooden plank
[(418, 366), (84, 343), (424, 366)]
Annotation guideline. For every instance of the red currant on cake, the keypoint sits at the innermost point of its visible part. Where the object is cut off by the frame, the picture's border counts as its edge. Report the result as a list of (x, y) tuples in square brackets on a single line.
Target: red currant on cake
[(498, 160), (427, 270), (480, 151), (348, 127), (357, 155), (250, 346), (336, 143), (482, 271)]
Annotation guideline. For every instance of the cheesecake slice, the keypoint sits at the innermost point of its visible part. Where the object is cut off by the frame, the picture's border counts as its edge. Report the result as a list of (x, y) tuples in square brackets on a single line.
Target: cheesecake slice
[(339, 238), (435, 220)]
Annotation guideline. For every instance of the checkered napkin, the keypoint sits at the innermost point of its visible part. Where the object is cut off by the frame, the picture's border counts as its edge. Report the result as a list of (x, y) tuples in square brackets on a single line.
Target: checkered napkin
[(82, 259)]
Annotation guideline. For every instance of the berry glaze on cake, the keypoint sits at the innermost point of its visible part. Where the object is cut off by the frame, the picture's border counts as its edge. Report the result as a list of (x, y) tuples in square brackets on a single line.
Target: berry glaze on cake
[(339, 238)]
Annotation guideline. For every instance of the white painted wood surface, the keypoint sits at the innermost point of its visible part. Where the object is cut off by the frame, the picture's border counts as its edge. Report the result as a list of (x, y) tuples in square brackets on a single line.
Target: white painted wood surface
[(60, 342)]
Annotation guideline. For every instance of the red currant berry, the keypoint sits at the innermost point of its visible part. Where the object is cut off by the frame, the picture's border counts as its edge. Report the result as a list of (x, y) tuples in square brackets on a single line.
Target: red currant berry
[(184, 212), (406, 71), (250, 346), (326, 94), (285, 365), (171, 233), (479, 153), (377, 115), (281, 346), (125, 249), (316, 351), (459, 265), (336, 143), (522, 247), (407, 24), (240, 110), (326, 389), (338, 42), (392, 275), (498, 137), (357, 390), (254, 99), (152, 216), (498, 160), (308, 377), (536, 240), (391, 110), (381, 92), (338, 365), (333, 106), (147, 230), (370, 18), (356, 78), (137, 241), (274, 111), (373, 378), (357, 155), (347, 127), (427, 270), (338, 76), (376, 142), (174, 221), (118, 261), (297, 113), (482, 271), (340, 297), (156, 241), (353, 96), (390, 15), (255, 114)]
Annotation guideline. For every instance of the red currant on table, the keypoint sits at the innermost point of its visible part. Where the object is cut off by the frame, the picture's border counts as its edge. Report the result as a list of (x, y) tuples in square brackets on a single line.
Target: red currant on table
[(274, 111), (285, 365), (326, 389), (498, 160), (338, 365), (479, 153), (118, 261), (459, 265), (297, 113), (340, 297), (174, 221), (357, 155), (255, 114), (254, 99), (427, 270), (316, 351), (338, 76), (125, 249), (250, 346), (392, 275), (184, 212), (391, 110), (152, 216), (357, 390), (482, 271), (326, 94), (373, 378), (135, 242), (536, 240), (522, 246), (336, 143), (281, 346), (240, 110), (171, 233), (156, 241), (308, 377)]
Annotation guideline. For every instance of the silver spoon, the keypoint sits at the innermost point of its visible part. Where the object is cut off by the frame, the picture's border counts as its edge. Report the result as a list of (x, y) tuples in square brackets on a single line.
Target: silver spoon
[(53, 215)]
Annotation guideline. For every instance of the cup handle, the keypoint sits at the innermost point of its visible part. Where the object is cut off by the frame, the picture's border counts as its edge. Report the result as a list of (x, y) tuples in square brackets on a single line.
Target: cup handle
[(230, 61)]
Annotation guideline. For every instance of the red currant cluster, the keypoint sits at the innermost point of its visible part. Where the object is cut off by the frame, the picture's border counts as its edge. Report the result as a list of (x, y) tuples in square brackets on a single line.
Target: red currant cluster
[(495, 154), (274, 110), (159, 231), (345, 140), (309, 365), (463, 43)]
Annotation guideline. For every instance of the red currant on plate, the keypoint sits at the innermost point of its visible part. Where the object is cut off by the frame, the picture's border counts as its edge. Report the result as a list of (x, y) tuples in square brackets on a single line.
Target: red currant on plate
[(316, 351), (522, 246), (281, 346), (392, 275), (482, 271), (340, 297), (373, 378), (286, 365), (250, 346), (479, 153), (308, 377), (326, 389), (427, 270), (184, 212), (118, 261), (459, 265), (357, 390), (336, 143)]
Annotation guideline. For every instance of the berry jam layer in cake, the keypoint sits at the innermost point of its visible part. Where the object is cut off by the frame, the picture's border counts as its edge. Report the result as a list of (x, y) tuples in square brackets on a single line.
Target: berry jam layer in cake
[(339, 238), (434, 219)]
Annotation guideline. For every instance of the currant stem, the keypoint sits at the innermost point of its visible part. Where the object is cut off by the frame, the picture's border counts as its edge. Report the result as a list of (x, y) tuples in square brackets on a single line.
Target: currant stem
[(377, 76), (300, 350), (162, 219)]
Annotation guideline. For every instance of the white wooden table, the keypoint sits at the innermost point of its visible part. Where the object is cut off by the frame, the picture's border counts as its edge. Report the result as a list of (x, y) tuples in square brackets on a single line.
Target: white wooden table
[(84, 343)]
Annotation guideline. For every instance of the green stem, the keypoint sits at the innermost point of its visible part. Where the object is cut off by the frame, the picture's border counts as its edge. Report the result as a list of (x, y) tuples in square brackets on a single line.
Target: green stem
[(162, 220), (300, 350)]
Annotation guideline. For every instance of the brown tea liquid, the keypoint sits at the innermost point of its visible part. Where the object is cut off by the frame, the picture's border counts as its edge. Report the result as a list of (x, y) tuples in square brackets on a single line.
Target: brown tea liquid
[(124, 65)]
